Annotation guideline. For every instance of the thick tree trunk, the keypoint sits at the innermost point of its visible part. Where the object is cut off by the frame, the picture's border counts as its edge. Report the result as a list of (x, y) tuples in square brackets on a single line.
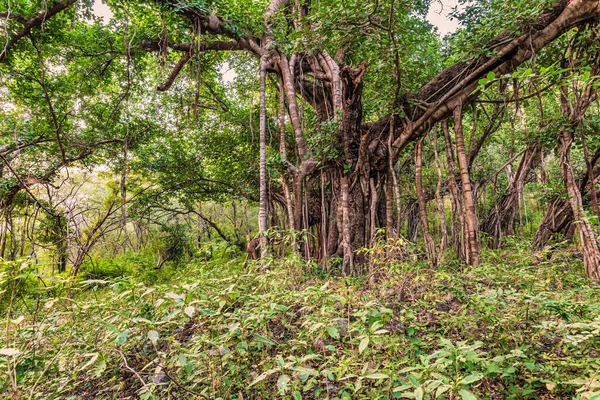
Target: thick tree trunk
[(284, 180), (467, 192), (458, 217)]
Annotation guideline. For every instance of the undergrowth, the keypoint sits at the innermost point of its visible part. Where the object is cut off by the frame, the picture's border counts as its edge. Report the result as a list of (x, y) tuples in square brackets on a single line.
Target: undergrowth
[(519, 326)]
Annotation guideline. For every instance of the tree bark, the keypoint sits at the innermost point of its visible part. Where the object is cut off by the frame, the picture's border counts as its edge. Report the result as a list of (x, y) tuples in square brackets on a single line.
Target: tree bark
[(348, 267), (558, 218), (467, 192), (591, 252), (458, 217), (429, 243), (263, 194), (438, 197)]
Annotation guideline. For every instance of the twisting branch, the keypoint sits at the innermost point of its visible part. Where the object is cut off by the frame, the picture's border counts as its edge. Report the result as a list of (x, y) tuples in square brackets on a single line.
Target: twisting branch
[(563, 16)]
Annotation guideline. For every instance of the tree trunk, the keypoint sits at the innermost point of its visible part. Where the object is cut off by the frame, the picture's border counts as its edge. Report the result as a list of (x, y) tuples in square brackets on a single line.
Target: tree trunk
[(412, 221), (438, 197), (429, 243), (263, 194), (284, 180), (3, 235), (591, 252), (558, 218), (458, 217), (389, 207), (393, 179), (590, 170), (467, 193), (346, 238)]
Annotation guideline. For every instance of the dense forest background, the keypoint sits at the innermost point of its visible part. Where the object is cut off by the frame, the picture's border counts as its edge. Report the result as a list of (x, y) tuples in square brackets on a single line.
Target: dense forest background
[(246, 199)]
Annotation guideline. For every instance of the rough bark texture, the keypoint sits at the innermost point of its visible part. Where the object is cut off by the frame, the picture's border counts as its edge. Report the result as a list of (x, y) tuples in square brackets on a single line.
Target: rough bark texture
[(471, 229), (262, 210), (441, 211), (458, 220)]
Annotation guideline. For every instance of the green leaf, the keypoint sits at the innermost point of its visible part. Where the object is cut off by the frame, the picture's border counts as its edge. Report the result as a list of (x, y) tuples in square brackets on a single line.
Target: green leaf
[(363, 344), (333, 332), (441, 390), (470, 379), (153, 336), (279, 360), (305, 371), (493, 368), (109, 326), (466, 395), (182, 360), (282, 383), (491, 75), (263, 339), (377, 376), (402, 388), (264, 375), (419, 393), (122, 337)]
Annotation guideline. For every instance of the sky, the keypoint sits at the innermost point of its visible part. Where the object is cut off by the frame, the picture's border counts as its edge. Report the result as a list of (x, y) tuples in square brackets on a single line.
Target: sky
[(438, 16), (102, 10)]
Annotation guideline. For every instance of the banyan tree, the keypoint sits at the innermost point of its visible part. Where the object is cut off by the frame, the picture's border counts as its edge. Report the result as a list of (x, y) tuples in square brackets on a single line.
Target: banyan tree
[(339, 178)]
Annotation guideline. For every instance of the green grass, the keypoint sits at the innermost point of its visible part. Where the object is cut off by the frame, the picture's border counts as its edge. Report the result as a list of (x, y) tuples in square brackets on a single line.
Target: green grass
[(516, 327)]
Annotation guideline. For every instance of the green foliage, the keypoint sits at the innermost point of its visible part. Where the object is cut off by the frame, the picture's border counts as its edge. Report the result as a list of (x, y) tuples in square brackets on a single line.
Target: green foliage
[(177, 242), (510, 327), (325, 141)]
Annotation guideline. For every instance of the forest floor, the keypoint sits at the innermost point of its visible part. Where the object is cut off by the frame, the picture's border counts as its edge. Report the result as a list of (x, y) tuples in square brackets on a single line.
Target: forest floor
[(519, 326)]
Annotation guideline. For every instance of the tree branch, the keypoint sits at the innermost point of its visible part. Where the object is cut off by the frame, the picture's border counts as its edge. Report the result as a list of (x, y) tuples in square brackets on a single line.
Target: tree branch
[(36, 21), (455, 85)]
